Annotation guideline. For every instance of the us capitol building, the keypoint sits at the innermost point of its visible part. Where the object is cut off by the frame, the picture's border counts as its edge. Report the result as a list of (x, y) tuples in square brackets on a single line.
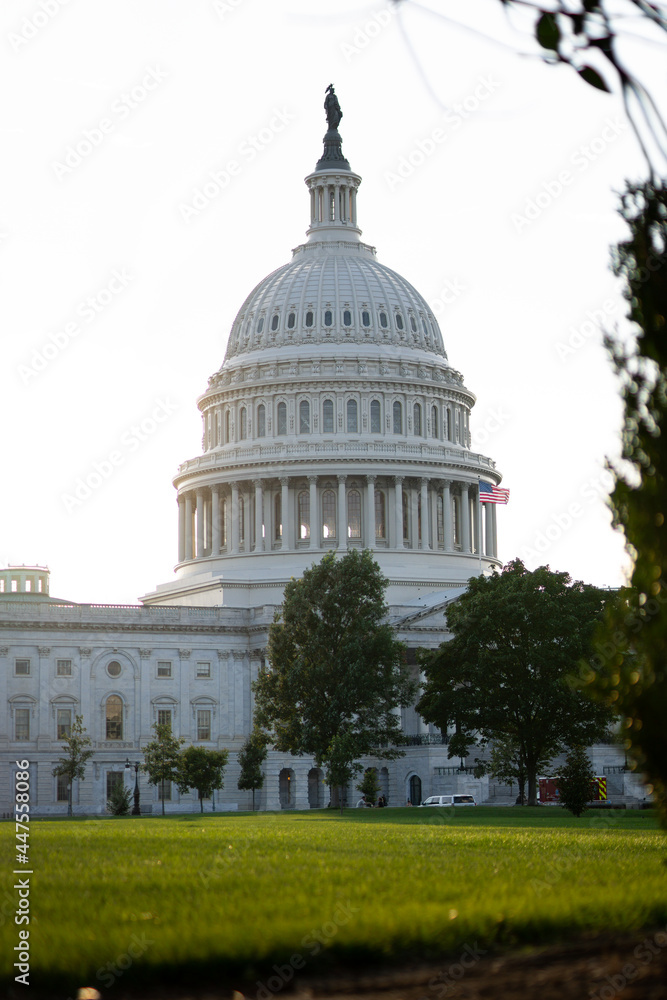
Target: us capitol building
[(335, 421)]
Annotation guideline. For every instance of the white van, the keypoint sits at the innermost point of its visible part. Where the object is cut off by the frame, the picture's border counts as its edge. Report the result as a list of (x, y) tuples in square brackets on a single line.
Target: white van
[(449, 800)]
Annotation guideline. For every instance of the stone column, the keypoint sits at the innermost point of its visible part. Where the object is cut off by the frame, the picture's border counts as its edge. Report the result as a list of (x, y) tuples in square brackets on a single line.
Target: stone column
[(426, 520), (284, 512), (215, 520), (488, 527), (465, 518), (494, 531), (188, 526), (370, 512), (314, 520), (447, 515), (247, 521), (414, 517), (477, 521), (259, 519), (181, 529), (398, 490), (200, 523), (268, 516), (235, 519), (342, 512)]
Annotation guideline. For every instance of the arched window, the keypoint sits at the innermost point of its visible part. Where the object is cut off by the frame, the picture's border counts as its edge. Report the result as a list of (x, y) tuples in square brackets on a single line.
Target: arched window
[(304, 417), (226, 426), (399, 321), (275, 319), (417, 419), (244, 423), (328, 514), (383, 320), (114, 717), (380, 515), (277, 517), (309, 318), (415, 790), (218, 428), (398, 418), (241, 519), (413, 324), (354, 514), (291, 321), (303, 512), (434, 422), (261, 420), (328, 416), (328, 317), (366, 318), (260, 324), (352, 423), (376, 417), (347, 317), (282, 418)]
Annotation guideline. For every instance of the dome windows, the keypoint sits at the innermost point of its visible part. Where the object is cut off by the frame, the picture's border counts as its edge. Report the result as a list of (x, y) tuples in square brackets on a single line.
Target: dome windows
[(347, 317), (328, 317), (384, 323), (310, 319), (261, 420), (399, 321), (376, 417), (275, 319), (328, 416), (417, 419), (365, 318), (260, 324), (291, 321), (352, 421), (244, 423), (413, 323), (304, 417), (398, 417), (282, 418)]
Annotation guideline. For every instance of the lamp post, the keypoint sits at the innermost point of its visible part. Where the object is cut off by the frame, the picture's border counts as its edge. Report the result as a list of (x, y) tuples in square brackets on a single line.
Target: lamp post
[(136, 811)]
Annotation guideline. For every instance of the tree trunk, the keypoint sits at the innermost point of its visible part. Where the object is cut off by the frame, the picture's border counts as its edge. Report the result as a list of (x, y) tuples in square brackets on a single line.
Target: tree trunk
[(162, 796), (532, 787), (201, 804), (253, 800)]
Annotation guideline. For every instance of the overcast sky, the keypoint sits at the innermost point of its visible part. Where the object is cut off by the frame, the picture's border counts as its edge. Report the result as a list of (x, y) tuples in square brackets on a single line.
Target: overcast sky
[(152, 173)]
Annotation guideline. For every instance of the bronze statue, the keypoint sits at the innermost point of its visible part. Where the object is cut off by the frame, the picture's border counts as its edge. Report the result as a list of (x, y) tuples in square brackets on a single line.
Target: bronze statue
[(332, 108)]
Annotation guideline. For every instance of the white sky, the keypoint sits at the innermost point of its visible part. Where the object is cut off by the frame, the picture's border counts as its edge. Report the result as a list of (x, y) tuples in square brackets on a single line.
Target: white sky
[(220, 74)]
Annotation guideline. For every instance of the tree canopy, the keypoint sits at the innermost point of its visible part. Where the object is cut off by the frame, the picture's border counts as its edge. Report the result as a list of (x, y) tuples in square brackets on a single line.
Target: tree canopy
[(162, 757), (77, 753), (337, 670), (517, 637), (251, 757), (201, 768)]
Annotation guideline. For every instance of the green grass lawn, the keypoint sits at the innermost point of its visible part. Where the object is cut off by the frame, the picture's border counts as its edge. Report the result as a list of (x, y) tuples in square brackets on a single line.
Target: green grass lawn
[(222, 898)]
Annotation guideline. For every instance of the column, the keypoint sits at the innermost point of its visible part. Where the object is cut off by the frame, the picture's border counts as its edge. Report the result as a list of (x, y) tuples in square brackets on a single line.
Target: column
[(284, 512), (465, 518), (398, 490), (488, 526), (259, 519), (247, 521), (477, 521), (200, 523), (414, 517), (422, 726), (426, 520), (447, 515), (181, 529), (313, 518), (215, 520), (342, 512), (235, 519), (370, 512), (494, 531), (188, 526), (268, 517)]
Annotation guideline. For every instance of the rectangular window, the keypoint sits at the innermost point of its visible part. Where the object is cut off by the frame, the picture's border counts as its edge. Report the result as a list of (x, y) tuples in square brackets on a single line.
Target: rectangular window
[(167, 791), (64, 668), (63, 722), (62, 788), (22, 668), (114, 778), (164, 668), (22, 724), (164, 717), (203, 668), (203, 723)]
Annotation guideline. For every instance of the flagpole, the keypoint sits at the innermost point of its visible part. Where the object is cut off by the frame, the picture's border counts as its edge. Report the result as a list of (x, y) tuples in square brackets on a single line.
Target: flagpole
[(479, 524)]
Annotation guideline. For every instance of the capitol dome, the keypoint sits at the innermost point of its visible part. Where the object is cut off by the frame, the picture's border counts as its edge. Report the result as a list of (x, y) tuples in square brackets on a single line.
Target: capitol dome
[(334, 421)]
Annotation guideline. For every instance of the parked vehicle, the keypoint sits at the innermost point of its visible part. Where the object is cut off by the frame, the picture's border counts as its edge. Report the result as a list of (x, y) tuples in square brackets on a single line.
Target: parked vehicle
[(449, 800)]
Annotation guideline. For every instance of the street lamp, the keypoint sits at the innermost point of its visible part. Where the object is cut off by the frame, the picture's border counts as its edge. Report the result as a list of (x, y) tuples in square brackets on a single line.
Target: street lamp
[(136, 811)]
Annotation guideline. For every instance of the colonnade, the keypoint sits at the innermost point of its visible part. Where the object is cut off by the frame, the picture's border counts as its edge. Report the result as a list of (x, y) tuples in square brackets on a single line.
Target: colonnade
[(319, 512)]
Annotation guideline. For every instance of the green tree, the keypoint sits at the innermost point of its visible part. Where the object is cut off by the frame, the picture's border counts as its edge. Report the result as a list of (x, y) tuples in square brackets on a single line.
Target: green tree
[(203, 769), (77, 754), (337, 670), (118, 802), (629, 668), (575, 780), (505, 674), (162, 757), (369, 786), (251, 757)]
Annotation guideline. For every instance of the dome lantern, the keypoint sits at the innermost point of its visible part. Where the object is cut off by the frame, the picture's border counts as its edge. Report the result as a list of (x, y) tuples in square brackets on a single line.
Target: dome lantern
[(333, 186)]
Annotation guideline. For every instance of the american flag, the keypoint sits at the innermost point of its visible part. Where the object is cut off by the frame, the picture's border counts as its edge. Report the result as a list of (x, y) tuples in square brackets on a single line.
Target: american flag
[(492, 494)]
